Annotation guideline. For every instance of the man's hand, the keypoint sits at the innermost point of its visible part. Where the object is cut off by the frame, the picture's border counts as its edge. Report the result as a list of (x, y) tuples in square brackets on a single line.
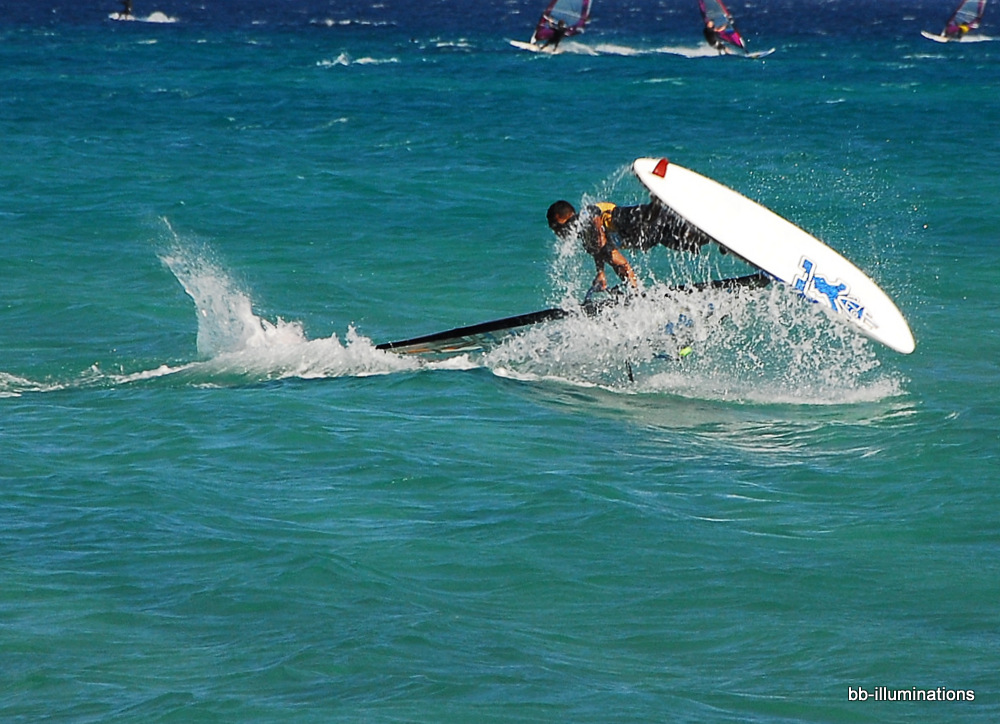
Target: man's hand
[(599, 284)]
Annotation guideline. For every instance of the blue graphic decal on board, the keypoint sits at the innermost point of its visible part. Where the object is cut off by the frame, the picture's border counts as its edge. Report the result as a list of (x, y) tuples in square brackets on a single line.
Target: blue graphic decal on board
[(818, 288)]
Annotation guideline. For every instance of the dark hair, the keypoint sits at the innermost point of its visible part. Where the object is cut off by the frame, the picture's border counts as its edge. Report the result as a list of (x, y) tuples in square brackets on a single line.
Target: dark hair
[(558, 210)]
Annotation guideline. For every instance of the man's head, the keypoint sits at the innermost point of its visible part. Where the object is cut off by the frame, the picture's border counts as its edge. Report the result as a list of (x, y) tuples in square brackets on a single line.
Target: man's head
[(561, 216)]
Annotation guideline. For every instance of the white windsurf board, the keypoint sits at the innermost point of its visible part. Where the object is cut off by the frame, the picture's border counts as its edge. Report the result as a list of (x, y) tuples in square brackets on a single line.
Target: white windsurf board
[(778, 247), (535, 47), (935, 37)]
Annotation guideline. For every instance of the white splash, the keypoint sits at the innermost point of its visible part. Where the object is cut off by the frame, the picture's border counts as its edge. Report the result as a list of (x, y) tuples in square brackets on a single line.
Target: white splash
[(235, 341), (751, 345), (345, 59), (154, 17), (15, 385)]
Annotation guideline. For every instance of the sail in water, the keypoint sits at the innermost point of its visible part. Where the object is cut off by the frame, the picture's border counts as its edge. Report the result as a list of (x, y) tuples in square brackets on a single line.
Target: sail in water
[(720, 29), (967, 16), (561, 19)]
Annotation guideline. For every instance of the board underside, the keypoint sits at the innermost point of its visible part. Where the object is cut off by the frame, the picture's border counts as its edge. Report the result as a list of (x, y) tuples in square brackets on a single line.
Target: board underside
[(780, 248)]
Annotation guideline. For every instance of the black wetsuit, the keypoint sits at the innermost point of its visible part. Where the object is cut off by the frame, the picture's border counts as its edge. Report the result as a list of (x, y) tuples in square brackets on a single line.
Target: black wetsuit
[(642, 227), (713, 38), (558, 33)]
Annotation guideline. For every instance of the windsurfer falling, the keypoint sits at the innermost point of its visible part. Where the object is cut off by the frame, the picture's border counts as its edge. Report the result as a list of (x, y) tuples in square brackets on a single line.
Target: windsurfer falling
[(605, 228)]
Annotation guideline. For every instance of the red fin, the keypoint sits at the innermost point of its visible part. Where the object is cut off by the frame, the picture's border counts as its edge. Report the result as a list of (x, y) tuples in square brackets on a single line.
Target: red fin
[(661, 168)]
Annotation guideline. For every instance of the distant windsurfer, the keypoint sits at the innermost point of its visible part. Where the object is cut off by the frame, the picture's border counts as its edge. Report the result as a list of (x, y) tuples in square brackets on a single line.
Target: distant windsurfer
[(956, 31), (605, 229), (713, 36), (966, 18), (559, 31)]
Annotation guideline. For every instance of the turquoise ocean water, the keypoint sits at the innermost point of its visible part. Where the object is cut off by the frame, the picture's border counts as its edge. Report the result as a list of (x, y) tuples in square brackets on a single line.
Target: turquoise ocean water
[(220, 503)]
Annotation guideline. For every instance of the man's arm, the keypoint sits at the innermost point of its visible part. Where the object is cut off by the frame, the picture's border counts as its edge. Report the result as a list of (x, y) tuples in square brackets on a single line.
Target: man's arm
[(623, 269), (600, 282), (608, 253)]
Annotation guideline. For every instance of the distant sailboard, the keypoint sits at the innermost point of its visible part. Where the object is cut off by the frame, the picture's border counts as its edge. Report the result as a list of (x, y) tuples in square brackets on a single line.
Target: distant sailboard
[(778, 247), (721, 31), (968, 16), (560, 19)]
